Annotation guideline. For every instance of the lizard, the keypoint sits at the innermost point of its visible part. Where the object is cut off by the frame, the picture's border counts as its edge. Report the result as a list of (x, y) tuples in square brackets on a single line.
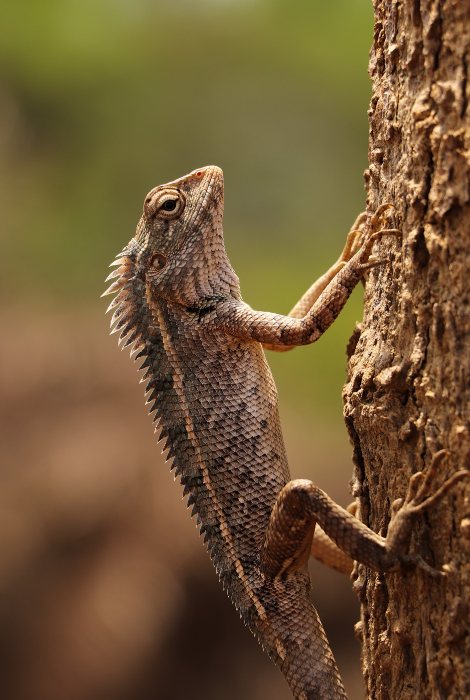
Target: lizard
[(177, 305)]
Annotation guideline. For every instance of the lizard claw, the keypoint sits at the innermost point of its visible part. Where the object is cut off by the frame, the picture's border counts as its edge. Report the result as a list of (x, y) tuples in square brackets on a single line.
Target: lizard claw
[(385, 232), (374, 230), (419, 496), (372, 262), (353, 242), (365, 230), (414, 486), (377, 216), (416, 561)]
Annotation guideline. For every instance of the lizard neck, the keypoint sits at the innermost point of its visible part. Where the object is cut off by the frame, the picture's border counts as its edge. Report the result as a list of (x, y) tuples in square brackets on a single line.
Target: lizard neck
[(203, 272)]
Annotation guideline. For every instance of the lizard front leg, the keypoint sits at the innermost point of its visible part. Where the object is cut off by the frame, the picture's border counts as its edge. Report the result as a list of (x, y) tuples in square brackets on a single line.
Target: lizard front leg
[(363, 227), (284, 332), (351, 246)]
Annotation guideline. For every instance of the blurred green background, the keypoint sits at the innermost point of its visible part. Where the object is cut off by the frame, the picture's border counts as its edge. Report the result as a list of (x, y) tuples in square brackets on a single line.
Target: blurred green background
[(100, 101)]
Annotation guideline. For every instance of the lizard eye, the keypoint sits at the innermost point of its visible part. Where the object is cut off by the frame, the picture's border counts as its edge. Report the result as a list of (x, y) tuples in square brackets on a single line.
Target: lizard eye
[(170, 205), (166, 204)]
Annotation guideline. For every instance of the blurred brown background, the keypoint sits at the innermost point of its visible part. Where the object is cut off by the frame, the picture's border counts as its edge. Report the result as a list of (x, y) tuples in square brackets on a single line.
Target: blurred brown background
[(106, 591)]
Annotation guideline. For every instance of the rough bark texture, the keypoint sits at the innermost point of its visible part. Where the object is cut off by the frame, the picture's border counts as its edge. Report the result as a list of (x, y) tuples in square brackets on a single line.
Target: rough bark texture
[(408, 386)]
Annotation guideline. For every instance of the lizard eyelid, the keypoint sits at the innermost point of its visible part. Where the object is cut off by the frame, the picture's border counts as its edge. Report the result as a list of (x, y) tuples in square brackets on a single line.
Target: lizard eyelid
[(168, 204)]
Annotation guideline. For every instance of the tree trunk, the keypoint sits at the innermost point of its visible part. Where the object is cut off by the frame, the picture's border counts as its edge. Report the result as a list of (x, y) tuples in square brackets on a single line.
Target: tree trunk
[(408, 384)]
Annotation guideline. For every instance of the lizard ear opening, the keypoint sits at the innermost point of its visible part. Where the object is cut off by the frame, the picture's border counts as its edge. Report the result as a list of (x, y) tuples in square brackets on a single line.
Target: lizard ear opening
[(158, 261)]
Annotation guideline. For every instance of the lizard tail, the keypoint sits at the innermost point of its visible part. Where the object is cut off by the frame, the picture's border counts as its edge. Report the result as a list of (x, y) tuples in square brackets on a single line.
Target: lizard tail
[(294, 638), (309, 665)]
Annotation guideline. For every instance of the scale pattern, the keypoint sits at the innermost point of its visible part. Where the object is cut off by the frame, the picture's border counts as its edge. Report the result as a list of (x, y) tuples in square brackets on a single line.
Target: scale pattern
[(178, 307)]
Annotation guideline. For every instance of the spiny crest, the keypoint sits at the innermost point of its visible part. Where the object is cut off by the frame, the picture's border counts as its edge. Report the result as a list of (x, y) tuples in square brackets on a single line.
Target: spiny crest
[(140, 270), (128, 304), (132, 320)]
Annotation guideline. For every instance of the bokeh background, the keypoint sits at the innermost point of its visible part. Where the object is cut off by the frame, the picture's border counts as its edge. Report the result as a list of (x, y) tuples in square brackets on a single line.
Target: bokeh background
[(106, 591)]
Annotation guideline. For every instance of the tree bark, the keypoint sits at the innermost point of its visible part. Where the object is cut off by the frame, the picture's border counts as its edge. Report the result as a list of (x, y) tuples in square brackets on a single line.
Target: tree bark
[(408, 379)]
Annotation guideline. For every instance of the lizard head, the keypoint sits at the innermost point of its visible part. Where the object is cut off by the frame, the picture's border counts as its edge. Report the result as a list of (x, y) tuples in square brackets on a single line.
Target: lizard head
[(178, 218), (178, 252)]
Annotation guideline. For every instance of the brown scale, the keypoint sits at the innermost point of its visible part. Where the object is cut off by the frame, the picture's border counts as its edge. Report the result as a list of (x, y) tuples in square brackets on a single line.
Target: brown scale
[(178, 305)]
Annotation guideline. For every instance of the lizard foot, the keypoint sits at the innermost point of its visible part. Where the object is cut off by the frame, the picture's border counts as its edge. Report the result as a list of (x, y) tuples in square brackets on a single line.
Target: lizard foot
[(420, 486), (420, 496), (354, 238), (376, 228), (365, 230)]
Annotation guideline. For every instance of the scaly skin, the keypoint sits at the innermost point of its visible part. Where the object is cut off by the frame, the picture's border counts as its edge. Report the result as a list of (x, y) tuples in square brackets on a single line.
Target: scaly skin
[(178, 305)]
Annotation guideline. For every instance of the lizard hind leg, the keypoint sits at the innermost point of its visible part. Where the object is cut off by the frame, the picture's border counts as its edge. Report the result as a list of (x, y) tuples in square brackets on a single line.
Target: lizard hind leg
[(292, 630), (328, 553), (295, 632)]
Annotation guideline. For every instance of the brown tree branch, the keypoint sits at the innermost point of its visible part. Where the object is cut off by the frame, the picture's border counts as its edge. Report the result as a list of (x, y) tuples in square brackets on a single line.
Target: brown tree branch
[(407, 394)]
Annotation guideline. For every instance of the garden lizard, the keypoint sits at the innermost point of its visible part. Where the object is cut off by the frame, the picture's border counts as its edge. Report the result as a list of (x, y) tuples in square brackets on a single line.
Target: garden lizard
[(178, 306)]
